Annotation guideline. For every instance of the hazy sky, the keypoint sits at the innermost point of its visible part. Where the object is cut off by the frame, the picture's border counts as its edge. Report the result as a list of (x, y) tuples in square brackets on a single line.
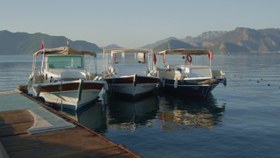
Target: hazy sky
[(134, 23)]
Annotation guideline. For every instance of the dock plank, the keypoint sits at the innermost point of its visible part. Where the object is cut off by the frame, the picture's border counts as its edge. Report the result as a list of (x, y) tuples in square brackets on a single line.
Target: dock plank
[(74, 142), (15, 124), (62, 143)]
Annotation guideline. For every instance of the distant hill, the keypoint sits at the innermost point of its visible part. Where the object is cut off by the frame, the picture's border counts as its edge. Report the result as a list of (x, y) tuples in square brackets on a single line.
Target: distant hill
[(25, 43), (237, 40), (155, 44), (241, 40), (173, 44)]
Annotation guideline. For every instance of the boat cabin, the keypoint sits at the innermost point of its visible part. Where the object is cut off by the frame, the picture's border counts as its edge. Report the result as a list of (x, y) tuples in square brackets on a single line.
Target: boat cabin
[(70, 67), (121, 62), (185, 65), (61, 63)]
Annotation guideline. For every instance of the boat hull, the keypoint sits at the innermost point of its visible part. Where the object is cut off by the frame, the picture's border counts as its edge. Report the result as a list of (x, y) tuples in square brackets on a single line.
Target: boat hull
[(191, 88), (133, 86), (71, 95)]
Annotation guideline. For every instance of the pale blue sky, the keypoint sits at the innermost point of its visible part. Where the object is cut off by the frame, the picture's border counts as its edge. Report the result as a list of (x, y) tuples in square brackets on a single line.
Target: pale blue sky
[(132, 23)]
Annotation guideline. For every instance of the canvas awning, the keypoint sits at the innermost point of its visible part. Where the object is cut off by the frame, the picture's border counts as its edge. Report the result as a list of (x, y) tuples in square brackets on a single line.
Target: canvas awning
[(63, 51), (186, 52), (126, 50)]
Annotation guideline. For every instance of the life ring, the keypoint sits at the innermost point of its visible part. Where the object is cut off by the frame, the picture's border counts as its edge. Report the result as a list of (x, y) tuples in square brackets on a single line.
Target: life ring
[(189, 58)]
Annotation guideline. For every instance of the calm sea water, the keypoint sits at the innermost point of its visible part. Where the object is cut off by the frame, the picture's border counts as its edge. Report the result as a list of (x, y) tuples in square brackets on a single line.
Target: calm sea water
[(240, 120)]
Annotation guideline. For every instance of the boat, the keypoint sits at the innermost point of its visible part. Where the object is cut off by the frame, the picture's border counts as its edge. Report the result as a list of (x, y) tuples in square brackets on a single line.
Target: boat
[(64, 76), (192, 75), (128, 72)]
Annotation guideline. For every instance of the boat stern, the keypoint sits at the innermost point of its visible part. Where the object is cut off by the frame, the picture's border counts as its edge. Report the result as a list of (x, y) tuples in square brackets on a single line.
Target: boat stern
[(220, 76)]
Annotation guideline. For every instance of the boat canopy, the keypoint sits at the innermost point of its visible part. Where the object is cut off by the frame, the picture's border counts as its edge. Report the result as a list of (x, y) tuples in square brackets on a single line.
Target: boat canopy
[(186, 52), (63, 51), (126, 50)]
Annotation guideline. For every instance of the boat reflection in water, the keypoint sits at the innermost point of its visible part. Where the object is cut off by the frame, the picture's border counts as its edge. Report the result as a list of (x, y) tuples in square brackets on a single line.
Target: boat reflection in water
[(179, 113), (172, 112), (125, 114), (92, 116)]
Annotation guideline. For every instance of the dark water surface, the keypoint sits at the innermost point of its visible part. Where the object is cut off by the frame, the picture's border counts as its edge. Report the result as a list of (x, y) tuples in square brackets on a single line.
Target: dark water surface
[(240, 120)]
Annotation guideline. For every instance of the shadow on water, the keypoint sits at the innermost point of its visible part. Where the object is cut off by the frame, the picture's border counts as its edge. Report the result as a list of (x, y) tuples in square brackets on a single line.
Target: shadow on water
[(127, 114), (184, 112), (92, 115)]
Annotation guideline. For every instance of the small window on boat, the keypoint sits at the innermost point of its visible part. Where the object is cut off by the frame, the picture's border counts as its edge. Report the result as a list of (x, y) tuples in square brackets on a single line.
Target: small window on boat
[(141, 57), (65, 62)]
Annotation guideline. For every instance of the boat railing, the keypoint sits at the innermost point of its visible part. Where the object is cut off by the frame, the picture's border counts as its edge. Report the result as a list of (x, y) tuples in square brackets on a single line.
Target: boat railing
[(183, 72), (170, 74)]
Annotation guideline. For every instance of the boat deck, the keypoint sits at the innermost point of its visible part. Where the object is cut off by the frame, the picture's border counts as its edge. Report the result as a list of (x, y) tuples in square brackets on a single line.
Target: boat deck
[(29, 129)]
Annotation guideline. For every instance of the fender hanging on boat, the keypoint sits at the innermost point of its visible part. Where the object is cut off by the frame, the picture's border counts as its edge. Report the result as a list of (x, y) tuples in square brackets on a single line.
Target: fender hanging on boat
[(175, 83)]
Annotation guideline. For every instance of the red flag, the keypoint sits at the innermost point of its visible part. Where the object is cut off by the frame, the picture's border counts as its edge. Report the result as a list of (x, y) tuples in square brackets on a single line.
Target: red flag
[(155, 59), (211, 55), (42, 45), (115, 57), (163, 59)]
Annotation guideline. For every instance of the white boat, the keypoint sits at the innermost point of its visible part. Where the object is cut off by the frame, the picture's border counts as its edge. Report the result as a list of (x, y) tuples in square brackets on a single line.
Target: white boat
[(189, 77), (129, 72), (63, 77)]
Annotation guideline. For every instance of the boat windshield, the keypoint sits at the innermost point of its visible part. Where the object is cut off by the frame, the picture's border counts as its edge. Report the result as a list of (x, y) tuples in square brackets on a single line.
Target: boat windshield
[(130, 58), (65, 62)]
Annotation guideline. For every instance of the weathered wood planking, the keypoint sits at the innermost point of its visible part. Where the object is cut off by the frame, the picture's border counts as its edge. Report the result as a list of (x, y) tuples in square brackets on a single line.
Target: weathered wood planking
[(70, 142)]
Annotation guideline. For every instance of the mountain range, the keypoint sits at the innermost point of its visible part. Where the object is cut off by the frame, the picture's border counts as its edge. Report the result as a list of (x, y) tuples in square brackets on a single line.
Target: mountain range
[(25, 43), (238, 40), (235, 41)]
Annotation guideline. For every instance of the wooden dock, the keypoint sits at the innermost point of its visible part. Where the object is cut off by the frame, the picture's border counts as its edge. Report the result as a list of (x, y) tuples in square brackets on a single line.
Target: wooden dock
[(29, 129)]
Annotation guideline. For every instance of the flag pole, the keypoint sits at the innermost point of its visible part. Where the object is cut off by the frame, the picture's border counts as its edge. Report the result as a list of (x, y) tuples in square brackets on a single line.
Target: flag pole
[(43, 58)]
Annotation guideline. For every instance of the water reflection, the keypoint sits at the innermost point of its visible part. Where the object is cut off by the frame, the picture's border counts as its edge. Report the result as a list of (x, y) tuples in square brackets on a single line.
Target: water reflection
[(92, 116), (173, 113), (128, 115), (181, 113)]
